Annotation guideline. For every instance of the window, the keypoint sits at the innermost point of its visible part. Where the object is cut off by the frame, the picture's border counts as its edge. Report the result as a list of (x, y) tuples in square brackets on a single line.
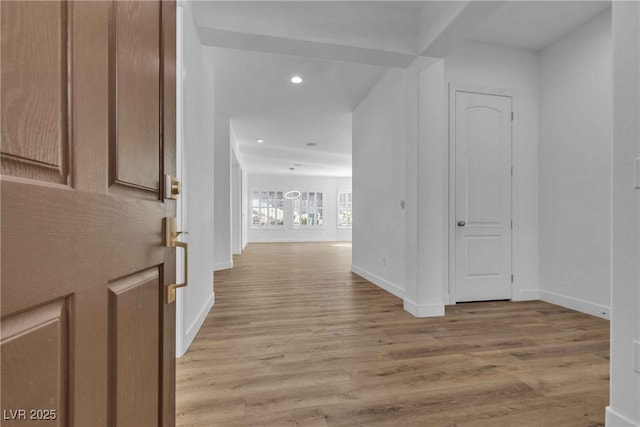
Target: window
[(307, 210), (267, 209), (344, 209)]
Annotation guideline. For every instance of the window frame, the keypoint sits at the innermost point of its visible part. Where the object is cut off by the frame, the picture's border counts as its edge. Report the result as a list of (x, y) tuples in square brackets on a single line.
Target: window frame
[(340, 208), (278, 196), (307, 210)]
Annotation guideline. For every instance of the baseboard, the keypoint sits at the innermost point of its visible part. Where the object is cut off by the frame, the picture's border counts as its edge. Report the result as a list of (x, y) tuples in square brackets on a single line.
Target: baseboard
[(446, 299), (576, 304), (379, 281), (528, 295), (195, 326), (223, 266), (424, 310), (613, 419), (299, 240)]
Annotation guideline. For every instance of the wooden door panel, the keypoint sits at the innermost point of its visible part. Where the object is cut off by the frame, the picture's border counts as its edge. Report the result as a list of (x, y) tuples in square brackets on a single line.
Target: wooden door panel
[(35, 90), (136, 55), (90, 254), (61, 228), (134, 331), (35, 358), (88, 367)]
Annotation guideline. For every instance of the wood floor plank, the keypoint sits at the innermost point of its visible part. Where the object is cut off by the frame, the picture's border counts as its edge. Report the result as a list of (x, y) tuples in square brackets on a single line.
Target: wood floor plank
[(296, 339)]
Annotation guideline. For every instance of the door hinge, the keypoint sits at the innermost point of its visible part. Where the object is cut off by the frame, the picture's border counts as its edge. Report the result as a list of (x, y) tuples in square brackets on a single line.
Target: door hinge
[(512, 278), (512, 224), (511, 170), (512, 116)]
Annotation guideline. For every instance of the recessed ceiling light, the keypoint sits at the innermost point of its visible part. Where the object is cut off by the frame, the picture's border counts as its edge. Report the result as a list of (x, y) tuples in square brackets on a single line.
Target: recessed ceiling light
[(260, 140), (312, 144), (296, 79)]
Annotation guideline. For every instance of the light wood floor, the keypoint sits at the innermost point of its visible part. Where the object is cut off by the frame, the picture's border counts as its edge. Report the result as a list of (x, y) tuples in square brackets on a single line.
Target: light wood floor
[(295, 339)]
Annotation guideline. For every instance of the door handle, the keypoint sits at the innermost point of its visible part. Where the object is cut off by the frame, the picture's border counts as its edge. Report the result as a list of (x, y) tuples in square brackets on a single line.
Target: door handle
[(171, 241), (461, 223)]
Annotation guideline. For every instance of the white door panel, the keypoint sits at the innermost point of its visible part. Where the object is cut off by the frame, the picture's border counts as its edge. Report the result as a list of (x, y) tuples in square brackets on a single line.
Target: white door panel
[(482, 138)]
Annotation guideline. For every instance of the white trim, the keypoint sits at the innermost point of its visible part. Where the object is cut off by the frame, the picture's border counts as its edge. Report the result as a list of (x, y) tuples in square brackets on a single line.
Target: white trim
[(446, 299), (194, 328), (379, 281), (583, 306), (528, 295), (223, 266), (425, 310), (451, 194), (613, 419), (450, 225), (181, 204), (235, 146), (236, 206)]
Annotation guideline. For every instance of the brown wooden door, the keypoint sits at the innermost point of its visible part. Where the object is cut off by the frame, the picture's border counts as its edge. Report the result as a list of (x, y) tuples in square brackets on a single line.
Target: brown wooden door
[(88, 132)]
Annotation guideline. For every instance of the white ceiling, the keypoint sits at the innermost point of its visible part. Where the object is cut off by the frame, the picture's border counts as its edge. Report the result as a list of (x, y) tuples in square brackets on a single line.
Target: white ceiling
[(255, 91), (259, 45), (379, 25), (536, 24)]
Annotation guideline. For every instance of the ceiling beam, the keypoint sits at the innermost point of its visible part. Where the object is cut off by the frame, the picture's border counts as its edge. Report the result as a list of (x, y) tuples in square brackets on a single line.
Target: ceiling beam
[(296, 47), (446, 25)]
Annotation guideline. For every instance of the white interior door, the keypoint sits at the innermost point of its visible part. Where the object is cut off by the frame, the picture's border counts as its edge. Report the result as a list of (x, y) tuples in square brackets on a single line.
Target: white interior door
[(483, 227)]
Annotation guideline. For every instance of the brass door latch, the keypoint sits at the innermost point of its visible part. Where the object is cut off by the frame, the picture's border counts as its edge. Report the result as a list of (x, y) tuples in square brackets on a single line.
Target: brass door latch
[(172, 187), (171, 234)]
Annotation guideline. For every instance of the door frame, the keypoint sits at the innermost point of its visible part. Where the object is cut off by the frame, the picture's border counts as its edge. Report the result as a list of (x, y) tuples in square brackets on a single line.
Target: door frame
[(181, 202), (450, 206)]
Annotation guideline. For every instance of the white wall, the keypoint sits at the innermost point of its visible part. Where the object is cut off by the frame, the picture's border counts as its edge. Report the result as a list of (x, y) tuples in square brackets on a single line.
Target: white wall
[(222, 192), (575, 168), (624, 409), (329, 188), (379, 139), (236, 207), (485, 65), (400, 152), (425, 231), (196, 300), (431, 289)]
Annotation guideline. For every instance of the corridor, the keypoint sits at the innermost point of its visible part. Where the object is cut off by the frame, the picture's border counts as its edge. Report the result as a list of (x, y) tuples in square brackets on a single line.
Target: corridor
[(296, 339)]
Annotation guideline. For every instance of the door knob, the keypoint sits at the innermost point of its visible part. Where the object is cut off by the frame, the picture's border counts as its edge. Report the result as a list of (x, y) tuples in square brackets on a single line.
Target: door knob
[(171, 241), (461, 223)]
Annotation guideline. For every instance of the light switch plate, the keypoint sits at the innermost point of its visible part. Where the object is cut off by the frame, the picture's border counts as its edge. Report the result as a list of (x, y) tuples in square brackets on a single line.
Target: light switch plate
[(636, 356), (636, 174)]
